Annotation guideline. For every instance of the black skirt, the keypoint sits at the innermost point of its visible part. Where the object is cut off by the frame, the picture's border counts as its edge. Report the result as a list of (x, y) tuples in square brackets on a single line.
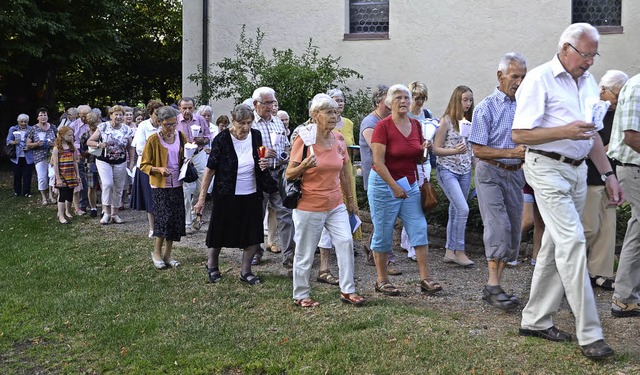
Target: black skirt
[(141, 192), (236, 221), (168, 215)]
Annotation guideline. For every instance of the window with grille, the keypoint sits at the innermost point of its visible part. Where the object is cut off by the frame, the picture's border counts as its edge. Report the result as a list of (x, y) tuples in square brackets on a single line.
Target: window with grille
[(368, 19), (605, 15)]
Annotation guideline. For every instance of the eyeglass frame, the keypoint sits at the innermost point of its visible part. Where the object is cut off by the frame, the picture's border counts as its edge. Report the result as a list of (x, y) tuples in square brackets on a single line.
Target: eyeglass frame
[(585, 56)]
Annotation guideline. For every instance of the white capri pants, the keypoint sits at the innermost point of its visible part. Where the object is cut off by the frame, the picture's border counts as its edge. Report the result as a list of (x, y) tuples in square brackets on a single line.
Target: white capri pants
[(112, 180)]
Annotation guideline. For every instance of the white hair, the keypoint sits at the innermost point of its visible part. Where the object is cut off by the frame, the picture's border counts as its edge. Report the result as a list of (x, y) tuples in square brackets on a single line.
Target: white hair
[(283, 113), (260, 91), (322, 101), (23, 116), (204, 108), (395, 89), (249, 102), (72, 111), (575, 31), (509, 58), (614, 79), (335, 92)]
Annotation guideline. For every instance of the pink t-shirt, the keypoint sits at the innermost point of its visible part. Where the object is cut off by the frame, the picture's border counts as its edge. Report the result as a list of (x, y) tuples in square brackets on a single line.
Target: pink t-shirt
[(173, 160), (402, 152), (321, 185)]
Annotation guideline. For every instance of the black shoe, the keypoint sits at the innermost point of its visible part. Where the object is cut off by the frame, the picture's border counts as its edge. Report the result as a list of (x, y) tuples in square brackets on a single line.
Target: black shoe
[(250, 278), (288, 263), (496, 297), (213, 274), (551, 334), (596, 350), (93, 213)]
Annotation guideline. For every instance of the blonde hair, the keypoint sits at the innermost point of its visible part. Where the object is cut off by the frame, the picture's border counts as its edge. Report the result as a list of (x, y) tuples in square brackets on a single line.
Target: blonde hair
[(454, 108)]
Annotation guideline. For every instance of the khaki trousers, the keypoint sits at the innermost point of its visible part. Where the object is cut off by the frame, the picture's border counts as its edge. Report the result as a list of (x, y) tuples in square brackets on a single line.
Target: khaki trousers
[(599, 222)]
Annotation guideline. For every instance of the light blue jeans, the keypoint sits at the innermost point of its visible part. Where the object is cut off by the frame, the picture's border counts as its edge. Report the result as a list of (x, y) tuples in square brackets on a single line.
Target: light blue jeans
[(456, 188)]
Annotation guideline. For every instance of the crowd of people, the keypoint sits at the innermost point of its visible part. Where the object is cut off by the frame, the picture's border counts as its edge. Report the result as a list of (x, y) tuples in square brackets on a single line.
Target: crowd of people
[(538, 151)]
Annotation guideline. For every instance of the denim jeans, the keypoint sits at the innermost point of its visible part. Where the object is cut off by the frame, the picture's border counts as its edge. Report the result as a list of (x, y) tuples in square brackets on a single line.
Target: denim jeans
[(456, 188)]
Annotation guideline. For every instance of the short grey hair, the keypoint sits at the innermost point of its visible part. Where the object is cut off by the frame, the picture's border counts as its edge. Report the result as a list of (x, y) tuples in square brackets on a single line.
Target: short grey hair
[(84, 108), (613, 80), (204, 108), (23, 116), (242, 112), (378, 94), (260, 91), (321, 102), (509, 58), (575, 31), (72, 111), (335, 92), (281, 112), (186, 99), (394, 90), (166, 112)]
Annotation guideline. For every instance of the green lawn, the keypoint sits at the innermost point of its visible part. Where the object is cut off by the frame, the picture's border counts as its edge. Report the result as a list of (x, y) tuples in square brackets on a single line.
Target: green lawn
[(85, 299)]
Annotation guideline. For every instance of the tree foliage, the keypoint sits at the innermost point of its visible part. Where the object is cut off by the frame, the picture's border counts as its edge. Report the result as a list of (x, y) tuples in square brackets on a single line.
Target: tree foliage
[(295, 78)]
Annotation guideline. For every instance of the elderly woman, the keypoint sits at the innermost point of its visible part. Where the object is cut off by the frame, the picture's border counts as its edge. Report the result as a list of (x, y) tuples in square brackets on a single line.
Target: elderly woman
[(326, 174), (397, 144), (453, 149), (161, 160), (141, 189), (599, 218), (114, 137), (207, 112), (91, 172), (236, 219), (23, 162), (40, 139), (345, 127)]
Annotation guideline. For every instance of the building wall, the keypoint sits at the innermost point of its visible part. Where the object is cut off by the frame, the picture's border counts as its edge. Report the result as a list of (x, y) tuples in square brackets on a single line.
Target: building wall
[(443, 44)]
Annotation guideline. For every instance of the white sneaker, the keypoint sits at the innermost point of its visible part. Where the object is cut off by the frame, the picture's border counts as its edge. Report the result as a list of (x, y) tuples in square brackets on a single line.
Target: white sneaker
[(150, 234), (116, 219), (512, 264), (106, 218)]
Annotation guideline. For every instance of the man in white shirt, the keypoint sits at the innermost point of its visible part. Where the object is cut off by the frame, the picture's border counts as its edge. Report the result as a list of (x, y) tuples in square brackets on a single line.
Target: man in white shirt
[(549, 119)]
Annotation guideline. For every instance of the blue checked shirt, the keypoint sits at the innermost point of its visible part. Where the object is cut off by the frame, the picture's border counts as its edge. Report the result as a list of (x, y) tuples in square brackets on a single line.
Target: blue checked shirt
[(492, 121)]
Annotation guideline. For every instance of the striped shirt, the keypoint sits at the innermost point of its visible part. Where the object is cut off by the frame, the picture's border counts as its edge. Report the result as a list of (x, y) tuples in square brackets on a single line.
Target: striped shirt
[(492, 121), (627, 118)]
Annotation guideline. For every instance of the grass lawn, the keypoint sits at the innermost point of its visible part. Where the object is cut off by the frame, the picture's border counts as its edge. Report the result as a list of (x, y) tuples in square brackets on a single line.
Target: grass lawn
[(82, 298)]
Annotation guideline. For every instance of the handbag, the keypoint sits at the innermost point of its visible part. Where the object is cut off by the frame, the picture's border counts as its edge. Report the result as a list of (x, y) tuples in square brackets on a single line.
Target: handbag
[(10, 151), (428, 195), (188, 171), (95, 151), (291, 190)]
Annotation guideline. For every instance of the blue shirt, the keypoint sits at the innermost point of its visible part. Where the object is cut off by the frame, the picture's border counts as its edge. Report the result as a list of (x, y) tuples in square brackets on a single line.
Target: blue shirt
[(492, 122)]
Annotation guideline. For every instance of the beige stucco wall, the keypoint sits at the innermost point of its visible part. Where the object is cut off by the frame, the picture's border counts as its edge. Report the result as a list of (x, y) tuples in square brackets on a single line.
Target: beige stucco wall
[(444, 44)]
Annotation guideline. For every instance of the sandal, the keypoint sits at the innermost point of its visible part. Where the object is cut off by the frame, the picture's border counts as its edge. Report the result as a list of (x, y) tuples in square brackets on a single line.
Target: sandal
[(250, 278), (214, 274), (159, 264), (496, 297), (387, 289), (306, 302), (429, 286), (172, 263), (326, 277), (603, 282), (352, 298)]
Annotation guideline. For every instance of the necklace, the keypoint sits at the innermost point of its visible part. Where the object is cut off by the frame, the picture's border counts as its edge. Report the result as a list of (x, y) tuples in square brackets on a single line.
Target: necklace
[(375, 113)]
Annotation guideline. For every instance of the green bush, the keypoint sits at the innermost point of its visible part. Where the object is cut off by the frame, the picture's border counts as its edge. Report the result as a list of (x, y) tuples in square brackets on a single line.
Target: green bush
[(295, 78)]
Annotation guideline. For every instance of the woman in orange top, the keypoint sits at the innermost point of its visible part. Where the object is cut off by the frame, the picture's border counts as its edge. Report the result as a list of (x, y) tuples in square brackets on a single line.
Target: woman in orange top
[(325, 174)]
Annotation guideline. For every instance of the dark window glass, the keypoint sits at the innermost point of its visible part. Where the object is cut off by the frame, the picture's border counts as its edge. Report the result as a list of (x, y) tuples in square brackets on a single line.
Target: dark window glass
[(368, 16), (597, 12)]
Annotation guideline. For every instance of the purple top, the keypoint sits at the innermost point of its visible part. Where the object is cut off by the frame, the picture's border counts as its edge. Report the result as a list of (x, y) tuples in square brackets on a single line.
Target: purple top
[(173, 162)]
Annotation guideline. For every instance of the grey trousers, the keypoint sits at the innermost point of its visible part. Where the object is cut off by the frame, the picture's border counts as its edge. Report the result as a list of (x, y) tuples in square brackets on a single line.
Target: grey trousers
[(283, 218), (500, 202)]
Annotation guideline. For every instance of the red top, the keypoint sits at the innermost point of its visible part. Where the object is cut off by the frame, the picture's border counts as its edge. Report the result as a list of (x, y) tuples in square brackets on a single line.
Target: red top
[(402, 152)]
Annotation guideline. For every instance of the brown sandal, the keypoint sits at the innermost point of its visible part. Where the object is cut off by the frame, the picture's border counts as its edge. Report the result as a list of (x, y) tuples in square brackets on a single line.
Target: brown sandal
[(306, 302), (326, 277), (352, 298), (430, 286), (387, 289)]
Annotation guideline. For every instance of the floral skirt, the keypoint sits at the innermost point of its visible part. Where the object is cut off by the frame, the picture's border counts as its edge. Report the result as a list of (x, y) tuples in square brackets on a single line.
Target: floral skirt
[(168, 213)]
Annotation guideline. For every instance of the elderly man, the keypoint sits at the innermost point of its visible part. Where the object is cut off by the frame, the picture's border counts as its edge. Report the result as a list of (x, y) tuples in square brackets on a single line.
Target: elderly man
[(625, 148), (71, 116), (275, 141), (499, 179), (80, 127), (550, 119), (186, 121)]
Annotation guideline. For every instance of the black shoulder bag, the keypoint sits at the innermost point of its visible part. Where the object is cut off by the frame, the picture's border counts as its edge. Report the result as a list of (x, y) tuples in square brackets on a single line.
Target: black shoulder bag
[(291, 190)]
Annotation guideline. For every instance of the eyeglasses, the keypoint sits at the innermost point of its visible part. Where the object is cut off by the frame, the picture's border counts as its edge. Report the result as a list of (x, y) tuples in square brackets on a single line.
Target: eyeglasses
[(169, 125), (268, 104), (419, 98), (586, 56), (616, 94)]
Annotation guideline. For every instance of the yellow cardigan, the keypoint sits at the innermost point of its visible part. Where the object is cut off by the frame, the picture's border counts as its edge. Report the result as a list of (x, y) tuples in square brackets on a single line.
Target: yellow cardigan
[(156, 155)]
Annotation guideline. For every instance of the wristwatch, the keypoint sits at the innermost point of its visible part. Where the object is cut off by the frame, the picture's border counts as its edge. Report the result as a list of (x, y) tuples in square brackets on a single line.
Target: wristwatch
[(604, 176)]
